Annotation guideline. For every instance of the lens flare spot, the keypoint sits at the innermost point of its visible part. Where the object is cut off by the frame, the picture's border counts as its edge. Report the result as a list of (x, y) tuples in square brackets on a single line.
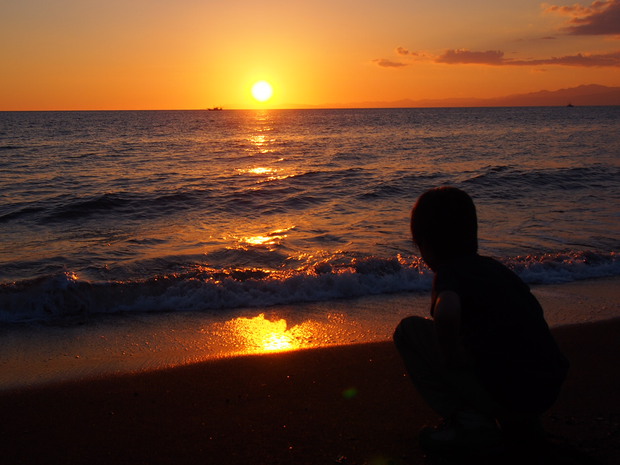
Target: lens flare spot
[(349, 393)]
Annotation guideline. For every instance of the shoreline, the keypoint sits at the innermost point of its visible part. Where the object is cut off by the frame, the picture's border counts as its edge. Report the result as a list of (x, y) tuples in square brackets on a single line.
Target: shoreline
[(142, 343), (348, 404)]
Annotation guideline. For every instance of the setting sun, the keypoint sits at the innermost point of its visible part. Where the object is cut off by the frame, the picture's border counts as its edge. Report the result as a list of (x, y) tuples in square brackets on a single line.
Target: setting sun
[(262, 91)]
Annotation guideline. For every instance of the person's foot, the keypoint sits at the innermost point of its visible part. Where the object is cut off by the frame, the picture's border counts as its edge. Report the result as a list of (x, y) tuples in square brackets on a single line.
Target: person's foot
[(525, 425), (467, 433), (524, 433)]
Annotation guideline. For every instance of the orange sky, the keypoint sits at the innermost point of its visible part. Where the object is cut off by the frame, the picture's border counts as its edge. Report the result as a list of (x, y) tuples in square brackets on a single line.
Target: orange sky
[(183, 54)]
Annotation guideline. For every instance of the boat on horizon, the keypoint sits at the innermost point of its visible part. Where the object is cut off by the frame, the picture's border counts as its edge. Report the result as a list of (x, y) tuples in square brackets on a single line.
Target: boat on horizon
[(215, 109)]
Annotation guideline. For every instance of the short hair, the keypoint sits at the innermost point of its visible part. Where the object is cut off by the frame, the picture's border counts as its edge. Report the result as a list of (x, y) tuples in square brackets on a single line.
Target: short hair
[(444, 220)]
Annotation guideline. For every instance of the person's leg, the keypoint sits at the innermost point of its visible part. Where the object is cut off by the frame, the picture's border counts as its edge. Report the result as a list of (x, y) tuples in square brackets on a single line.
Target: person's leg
[(445, 390), (456, 395), (416, 340)]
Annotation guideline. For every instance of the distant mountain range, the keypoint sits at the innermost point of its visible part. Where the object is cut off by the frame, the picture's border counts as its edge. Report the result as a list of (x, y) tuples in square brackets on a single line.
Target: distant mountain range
[(584, 95)]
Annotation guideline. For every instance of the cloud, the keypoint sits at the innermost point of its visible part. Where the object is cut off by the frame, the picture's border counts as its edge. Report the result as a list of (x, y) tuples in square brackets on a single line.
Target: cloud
[(490, 57), (405, 52), (496, 58), (584, 60), (573, 10), (602, 17), (385, 63)]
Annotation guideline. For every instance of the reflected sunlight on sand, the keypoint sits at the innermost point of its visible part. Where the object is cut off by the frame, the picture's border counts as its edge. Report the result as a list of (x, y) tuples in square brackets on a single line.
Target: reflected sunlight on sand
[(259, 334)]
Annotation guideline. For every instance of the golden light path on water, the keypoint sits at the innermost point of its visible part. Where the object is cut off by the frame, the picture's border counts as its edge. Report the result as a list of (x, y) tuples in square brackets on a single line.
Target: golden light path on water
[(261, 333)]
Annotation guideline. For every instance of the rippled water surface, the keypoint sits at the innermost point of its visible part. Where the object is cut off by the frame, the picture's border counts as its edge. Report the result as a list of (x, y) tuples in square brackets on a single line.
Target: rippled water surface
[(157, 210)]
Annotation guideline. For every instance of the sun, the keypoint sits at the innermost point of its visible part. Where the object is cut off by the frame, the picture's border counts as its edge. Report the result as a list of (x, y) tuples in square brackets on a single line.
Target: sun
[(262, 91)]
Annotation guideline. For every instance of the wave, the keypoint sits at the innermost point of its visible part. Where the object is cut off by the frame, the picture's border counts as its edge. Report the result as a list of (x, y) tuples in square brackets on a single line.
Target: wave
[(64, 297), (499, 181), (19, 213), (551, 268), (518, 182), (58, 210), (294, 192)]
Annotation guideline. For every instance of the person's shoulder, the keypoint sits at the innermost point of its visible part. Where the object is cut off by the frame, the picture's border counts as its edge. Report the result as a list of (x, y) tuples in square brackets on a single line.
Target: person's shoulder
[(499, 272), (476, 269), (491, 265), (489, 261)]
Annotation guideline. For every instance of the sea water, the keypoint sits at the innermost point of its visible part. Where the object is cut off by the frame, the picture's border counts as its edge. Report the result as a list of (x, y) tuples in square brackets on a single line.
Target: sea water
[(116, 216)]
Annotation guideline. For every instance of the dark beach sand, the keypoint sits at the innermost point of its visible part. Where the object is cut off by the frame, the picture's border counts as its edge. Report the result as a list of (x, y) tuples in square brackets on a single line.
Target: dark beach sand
[(348, 404)]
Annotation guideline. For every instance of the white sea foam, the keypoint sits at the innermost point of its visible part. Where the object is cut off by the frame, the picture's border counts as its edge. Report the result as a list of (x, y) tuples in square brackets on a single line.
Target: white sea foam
[(65, 297)]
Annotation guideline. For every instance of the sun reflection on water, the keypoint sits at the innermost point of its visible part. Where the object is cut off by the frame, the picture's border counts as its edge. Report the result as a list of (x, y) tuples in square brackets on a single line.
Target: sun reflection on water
[(265, 173), (261, 240), (261, 142), (260, 170), (268, 240)]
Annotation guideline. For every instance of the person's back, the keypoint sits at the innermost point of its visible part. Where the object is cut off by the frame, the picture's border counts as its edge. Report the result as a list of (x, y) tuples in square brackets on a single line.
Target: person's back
[(504, 330), (487, 355)]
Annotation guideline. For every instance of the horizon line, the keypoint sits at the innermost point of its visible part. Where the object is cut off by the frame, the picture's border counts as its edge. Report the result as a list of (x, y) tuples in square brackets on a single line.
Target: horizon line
[(307, 107)]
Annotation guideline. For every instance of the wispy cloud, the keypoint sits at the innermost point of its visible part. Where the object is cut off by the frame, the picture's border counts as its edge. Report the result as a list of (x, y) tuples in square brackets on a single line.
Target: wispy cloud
[(405, 52), (581, 59), (385, 63), (496, 58), (602, 17), (490, 57)]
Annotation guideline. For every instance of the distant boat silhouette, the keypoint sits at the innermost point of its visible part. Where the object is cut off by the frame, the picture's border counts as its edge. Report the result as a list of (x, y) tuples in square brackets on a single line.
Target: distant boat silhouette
[(216, 109), (570, 105)]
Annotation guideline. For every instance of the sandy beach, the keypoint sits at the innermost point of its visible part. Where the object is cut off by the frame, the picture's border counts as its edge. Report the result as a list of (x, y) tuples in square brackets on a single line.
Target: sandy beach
[(347, 404)]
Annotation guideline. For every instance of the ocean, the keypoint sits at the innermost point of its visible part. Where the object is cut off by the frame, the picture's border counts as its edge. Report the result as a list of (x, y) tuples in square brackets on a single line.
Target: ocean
[(143, 219)]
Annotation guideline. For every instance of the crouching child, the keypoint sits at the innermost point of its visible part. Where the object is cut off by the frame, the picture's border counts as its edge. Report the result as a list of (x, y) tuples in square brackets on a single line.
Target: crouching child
[(485, 361)]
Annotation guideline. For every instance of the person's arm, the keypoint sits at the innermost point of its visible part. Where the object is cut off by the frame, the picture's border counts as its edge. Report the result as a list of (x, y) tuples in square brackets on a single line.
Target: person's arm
[(447, 316)]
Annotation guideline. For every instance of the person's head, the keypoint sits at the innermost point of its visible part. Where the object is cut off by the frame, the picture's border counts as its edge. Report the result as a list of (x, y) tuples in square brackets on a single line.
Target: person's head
[(444, 225)]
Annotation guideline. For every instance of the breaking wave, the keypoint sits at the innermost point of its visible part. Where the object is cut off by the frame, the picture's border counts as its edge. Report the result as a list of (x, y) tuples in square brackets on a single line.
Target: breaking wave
[(65, 297)]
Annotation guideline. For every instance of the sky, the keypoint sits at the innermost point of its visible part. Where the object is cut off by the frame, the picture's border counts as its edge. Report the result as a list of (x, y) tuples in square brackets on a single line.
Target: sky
[(190, 54)]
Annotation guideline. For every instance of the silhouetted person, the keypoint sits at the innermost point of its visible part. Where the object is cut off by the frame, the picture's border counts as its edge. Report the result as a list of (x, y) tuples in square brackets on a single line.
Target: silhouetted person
[(486, 361)]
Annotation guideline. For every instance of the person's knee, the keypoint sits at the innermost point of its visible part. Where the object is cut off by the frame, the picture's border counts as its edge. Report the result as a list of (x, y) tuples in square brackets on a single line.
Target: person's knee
[(401, 330), (409, 330)]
